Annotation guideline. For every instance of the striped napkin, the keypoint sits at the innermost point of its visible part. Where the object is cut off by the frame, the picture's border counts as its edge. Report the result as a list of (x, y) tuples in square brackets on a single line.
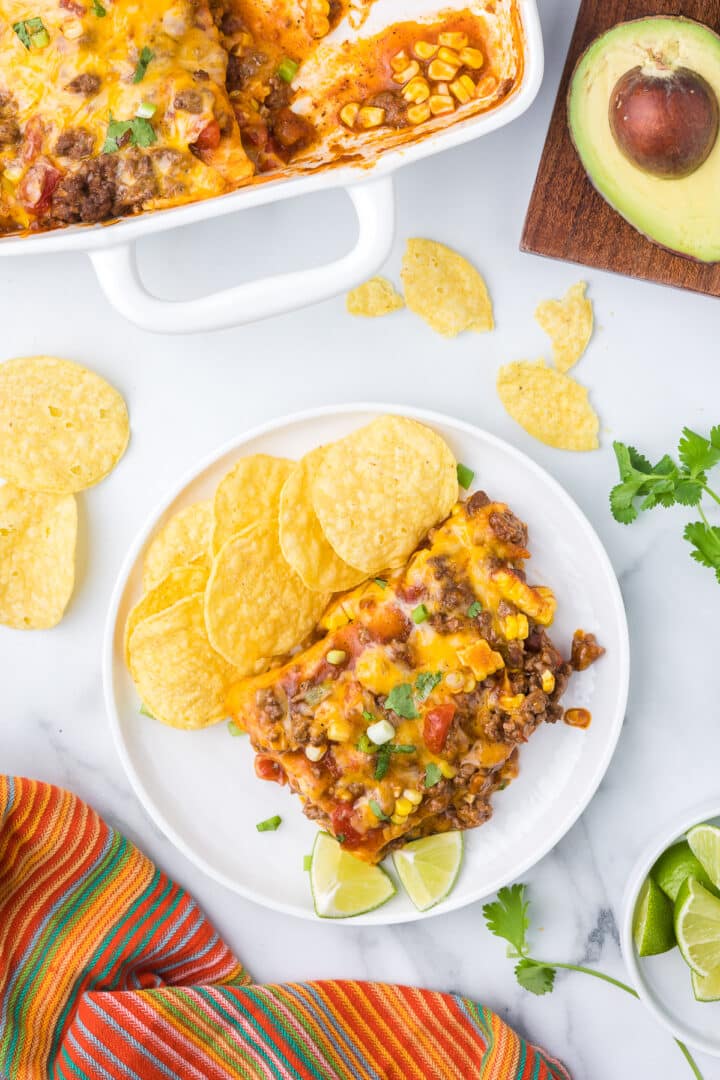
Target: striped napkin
[(110, 971)]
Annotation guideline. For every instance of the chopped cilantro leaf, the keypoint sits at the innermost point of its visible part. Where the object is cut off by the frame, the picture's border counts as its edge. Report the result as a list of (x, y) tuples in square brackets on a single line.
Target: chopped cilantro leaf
[(383, 762), (400, 701), (369, 717), (378, 810), (340, 838), (537, 978), (136, 132), (146, 55), (426, 683), (465, 476), (433, 775), (474, 609), (98, 9)]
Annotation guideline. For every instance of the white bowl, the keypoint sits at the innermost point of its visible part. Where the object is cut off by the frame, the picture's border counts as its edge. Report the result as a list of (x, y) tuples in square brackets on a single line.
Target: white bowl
[(663, 982)]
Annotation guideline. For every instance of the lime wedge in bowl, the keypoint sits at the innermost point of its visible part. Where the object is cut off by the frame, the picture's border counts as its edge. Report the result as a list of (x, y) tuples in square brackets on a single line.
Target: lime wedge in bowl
[(704, 842), (697, 927), (675, 866), (428, 868), (653, 931), (706, 987), (342, 885)]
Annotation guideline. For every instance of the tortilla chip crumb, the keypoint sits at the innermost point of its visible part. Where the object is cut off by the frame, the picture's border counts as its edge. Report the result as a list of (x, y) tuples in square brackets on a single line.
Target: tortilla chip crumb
[(569, 325), (374, 298), (549, 405)]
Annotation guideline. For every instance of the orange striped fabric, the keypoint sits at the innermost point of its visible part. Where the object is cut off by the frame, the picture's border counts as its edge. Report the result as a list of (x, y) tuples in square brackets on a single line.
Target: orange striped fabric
[(109, 971)]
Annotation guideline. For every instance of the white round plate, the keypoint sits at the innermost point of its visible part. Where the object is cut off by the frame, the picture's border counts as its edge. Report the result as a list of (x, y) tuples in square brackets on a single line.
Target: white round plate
[(200, 787), (663, 981)]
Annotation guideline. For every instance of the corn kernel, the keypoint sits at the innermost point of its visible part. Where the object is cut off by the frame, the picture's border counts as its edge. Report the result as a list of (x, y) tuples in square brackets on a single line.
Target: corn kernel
[(441, 104), (348, 114), (403, 807), (317, 16), (463, 89), (414, 797), (399, 61), (469, 684), (449, 56), (370, 116), (407, 73), (472, 58), (398, 819), (440, 71), (336, 657), (425, 50), (454, 681), (338, 730), (510, 702), (548, 681), (315, 753), (418, 114), (417, 91), (447, 770), (454, 39), (486, 86)]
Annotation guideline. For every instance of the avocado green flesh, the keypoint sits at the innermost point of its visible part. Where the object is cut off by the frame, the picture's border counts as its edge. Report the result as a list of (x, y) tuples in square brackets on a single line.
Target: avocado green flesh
[(680, 214)]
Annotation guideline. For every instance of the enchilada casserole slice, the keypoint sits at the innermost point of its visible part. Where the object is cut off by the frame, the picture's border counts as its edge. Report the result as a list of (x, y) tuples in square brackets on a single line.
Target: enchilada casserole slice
[(405, 717)]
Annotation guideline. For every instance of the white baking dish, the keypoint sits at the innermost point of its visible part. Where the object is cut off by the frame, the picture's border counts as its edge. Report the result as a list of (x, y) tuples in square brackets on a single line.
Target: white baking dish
[(111, 248)]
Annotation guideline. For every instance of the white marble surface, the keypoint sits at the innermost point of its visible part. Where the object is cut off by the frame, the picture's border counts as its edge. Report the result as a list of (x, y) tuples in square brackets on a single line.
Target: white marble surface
[(652, 368)]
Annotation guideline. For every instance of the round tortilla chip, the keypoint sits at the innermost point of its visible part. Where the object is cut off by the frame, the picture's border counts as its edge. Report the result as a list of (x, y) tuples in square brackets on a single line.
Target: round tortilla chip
[(37, 557), (255, 604), (62, 427), (183, 540), (379, 490), (248, 493), (179, 583), (374, 298), (569, 325), (550, 406), (302, 540), (444, 289), (180, 678)]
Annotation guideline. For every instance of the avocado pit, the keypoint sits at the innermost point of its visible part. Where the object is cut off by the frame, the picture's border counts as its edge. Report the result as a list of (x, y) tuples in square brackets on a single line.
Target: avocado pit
[(664, 120)]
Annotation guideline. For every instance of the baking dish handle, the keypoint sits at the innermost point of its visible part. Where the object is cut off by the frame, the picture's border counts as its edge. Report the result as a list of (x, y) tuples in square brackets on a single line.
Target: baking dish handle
[(116, 268)]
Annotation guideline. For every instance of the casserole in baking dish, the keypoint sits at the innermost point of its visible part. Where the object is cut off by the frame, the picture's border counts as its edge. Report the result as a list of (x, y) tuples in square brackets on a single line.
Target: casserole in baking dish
[(112, 108)]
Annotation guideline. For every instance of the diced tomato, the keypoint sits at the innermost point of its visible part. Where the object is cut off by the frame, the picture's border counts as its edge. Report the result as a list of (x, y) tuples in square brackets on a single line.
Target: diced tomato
[(209, 137), (35, 190), (340, 819), (72, 5), (387, 623), (32, 139), (436, 726), (267, 768)]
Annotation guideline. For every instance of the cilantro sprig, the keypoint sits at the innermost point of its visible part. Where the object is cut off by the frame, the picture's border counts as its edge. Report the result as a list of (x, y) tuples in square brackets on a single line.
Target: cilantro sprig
[(644, 486), (135, 132), (507, 918)]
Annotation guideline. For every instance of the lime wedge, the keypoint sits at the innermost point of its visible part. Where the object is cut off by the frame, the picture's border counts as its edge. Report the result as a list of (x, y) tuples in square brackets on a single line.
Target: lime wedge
[(343, 885), (428, 868), (704, 842), (676, 865), (653, 921), (706, 987), (697, 926)]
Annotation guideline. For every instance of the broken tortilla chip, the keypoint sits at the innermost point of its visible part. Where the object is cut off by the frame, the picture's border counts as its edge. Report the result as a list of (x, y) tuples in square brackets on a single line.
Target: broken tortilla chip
[(550, 406), (374, 298), (444, 289), (569, 325)]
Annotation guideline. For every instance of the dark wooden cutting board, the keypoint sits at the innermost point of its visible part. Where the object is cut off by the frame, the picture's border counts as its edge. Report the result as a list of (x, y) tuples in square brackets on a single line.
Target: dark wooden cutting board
[(567, 219)]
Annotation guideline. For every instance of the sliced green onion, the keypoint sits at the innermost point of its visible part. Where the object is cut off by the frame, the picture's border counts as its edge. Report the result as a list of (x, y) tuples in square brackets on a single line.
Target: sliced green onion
[(433, 775), (465, 476), (235, 729), (287, 69), (336, 656), (145, 110), (32, 32), (383, 762), (144, 711), (381, 582), (401, 748), (146, 55), (369, 717), (270, 824), (474, 609), (98, 9), (307, 862), (378, 810), (420, 613), (365, 746), (381, 732), (40, 39)]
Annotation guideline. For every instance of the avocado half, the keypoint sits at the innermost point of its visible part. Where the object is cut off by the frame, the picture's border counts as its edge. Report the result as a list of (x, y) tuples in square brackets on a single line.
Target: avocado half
[(681, 213)]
